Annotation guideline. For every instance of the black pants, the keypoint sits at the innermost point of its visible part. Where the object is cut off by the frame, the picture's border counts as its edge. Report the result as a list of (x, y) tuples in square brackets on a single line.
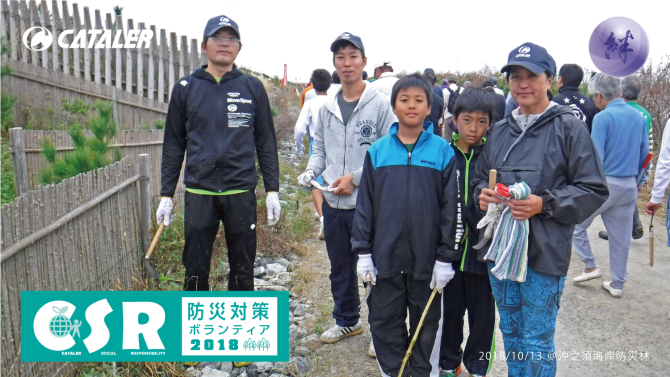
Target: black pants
[(389, 301), (201, 223), (337, 225), (472, 292)]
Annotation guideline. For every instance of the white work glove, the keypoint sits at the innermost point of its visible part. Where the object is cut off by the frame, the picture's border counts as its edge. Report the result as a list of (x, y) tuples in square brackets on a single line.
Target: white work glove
[(366, 265), (305, 179), (164, 212), (274, 208), (492, 218), (442, 273)]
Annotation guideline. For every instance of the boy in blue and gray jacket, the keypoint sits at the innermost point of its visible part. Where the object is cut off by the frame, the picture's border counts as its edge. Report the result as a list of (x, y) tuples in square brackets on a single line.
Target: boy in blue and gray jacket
[(406, 231)]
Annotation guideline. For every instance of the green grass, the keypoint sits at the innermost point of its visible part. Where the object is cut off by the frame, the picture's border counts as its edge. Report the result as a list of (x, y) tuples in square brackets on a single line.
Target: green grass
[(8, 188)]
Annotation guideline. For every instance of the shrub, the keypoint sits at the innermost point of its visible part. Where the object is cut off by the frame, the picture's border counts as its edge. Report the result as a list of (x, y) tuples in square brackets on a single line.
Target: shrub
[(88, 153), (159, 124)]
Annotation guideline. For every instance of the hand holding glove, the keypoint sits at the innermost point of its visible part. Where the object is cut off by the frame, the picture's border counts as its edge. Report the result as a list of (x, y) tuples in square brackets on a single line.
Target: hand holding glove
[(442, 273), (164, 212), (305, 179), (274, 208), (366, 265)]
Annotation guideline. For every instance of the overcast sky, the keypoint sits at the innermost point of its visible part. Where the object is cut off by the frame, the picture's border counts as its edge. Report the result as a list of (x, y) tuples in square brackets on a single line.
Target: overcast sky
[(413, 35)]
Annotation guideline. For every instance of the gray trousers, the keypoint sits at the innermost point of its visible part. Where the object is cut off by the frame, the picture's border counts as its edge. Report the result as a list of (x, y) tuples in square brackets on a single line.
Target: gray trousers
[(617, 214)]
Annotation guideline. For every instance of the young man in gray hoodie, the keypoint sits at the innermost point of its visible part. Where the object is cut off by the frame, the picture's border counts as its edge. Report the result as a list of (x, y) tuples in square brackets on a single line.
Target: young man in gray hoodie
[(351, 119)]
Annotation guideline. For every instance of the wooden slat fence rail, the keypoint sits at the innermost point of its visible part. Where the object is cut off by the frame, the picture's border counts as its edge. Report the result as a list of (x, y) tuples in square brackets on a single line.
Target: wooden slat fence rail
[(26, 151), (86, 233)]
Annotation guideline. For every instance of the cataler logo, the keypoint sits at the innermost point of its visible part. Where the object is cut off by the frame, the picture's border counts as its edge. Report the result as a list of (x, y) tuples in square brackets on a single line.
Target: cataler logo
[(88, 38), (43, 36), (524, 50)]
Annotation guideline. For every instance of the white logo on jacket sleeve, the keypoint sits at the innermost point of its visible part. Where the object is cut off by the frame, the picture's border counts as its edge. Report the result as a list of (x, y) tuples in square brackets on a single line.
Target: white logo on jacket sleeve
[(183, 82)]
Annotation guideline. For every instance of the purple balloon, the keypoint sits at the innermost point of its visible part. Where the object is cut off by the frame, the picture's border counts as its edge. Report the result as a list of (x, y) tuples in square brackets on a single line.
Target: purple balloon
[(619, 46)]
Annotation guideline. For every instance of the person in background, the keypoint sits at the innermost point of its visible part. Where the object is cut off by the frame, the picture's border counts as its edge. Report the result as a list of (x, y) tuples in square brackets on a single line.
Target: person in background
[(661, 180), (336, 85), (570, 76), (385, 77), (494, 81), (307, 121), (436, 88), (436, 110), (450, 94), (467, 84), (631, 86), (620, 137), (304, 91), (498, 100), (545, 146)]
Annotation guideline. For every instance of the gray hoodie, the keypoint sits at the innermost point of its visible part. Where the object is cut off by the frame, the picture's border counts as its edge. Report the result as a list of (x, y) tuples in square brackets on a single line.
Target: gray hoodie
[(338, 150)]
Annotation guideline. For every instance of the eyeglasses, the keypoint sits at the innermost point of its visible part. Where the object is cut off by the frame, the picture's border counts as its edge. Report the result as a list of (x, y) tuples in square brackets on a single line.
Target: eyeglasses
[(227, 41)]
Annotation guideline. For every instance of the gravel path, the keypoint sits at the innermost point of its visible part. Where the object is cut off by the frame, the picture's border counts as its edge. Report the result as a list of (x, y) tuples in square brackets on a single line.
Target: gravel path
[(592, 326)]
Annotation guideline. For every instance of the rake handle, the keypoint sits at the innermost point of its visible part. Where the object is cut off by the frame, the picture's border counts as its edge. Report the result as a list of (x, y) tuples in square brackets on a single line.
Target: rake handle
[(416, 333), (155, 240)]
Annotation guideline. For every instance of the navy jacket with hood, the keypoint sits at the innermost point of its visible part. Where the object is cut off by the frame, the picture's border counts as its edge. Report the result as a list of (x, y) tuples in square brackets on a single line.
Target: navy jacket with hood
[(408, 210), (467, 165), (556, 157), (219, 126)]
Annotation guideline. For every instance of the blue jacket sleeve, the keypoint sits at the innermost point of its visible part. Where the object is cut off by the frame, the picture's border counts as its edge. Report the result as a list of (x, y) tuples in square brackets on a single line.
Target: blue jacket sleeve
[(265, 138), (363, 232)]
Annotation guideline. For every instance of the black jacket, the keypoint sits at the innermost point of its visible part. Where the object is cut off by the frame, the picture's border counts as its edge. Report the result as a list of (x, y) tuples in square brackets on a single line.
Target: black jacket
[(556, 157), (499, 100), (218, 125), (408, 206), (581, 106), (467, 166), (436, 111)]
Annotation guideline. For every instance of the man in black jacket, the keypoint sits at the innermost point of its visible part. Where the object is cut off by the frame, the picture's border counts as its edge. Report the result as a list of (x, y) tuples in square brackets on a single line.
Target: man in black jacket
[(569, 78), (219, 116)]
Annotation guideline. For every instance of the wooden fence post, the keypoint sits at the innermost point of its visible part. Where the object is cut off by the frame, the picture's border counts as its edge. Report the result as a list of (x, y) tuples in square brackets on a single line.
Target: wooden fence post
[(14, 24), (18, 149), (46, 23), (57, 30), (67, 24), (145, 202)]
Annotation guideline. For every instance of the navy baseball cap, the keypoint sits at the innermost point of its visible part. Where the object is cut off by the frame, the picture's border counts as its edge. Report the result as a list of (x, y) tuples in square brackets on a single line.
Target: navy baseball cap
[(347, 37), (531, 56), (216, 23)]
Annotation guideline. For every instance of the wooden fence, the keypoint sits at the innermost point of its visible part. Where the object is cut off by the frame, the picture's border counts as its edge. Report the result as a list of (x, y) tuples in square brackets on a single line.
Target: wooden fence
[(138, 79), (26, 148), (86, 233)]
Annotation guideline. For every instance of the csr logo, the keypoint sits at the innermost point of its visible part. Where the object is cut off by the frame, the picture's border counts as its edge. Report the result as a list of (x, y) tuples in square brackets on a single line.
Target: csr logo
[(55, 329)]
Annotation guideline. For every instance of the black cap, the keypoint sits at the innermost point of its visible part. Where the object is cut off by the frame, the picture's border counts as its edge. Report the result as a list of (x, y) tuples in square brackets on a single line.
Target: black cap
[(531, 56), (428, 70), (348, 37), (216, 23), (486, 84)]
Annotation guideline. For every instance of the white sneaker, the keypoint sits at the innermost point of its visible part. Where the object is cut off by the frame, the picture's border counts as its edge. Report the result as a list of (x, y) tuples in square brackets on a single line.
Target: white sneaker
[(617, 293), (321, 235), (371, 350), (337, 333), (588, 276)]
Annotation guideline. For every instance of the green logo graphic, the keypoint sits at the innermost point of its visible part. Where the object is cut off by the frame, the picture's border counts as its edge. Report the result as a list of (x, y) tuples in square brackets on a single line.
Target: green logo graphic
[(60, 324)]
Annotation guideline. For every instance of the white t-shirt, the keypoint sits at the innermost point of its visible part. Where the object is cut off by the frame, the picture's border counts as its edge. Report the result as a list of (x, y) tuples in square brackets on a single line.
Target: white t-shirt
[(333, 89), (384, 84), (308, 118), (310, 95)]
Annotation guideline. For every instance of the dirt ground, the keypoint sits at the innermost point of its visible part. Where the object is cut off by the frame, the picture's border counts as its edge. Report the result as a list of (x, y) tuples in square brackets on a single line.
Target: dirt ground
[(596, 333)]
